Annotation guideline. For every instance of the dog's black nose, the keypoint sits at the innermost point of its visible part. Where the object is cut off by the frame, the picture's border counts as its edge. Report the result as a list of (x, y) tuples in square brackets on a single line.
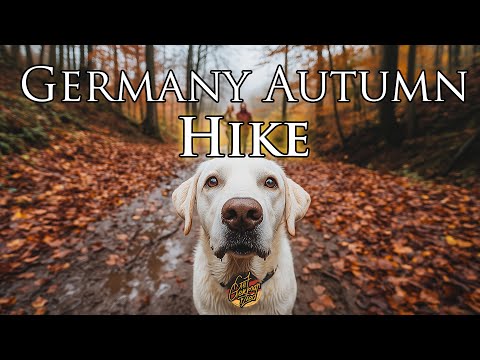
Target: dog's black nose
[(242, 214)]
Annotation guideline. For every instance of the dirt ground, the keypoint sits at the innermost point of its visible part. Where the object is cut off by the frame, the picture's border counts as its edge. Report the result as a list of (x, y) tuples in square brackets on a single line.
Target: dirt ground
[(154, 271)]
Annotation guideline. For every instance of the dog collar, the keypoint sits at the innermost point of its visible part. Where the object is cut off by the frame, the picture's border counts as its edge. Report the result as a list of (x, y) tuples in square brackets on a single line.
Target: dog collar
[(265, 279)]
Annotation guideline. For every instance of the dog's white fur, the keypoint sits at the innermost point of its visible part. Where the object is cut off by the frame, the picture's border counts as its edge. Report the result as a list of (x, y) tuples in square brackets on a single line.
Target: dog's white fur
[(282, 206)]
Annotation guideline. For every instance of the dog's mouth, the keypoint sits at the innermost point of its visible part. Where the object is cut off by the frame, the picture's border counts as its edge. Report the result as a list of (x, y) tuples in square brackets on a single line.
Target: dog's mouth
[(242, 250), (241, 244)]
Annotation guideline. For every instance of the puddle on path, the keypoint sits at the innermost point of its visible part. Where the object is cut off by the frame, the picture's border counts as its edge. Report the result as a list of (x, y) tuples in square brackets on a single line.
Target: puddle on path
[(157, 257)]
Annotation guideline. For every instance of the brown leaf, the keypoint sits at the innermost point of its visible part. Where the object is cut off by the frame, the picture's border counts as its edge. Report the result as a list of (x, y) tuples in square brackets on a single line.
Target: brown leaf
[(50, 241), (40, 311), (39, 302), (319, 289), (60, 253), (8, 301), (317, 307), (31, 259), (326, 301), (54, 268), (314, 266), (451, 240), (400, 250), (27, 275), (16, 244), (122, 237), (113, 259), (52, 289)]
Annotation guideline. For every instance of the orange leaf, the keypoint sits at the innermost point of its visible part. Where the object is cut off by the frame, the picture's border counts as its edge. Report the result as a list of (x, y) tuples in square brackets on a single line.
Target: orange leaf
[(18, 215), (8, 301), (122, 237), (451, 240), (326, 301), (317, 307), (112, 260), (39, 302), (51, 242), (16, 244), (319, 289), (40, 311), (314, 266), (27, 275)]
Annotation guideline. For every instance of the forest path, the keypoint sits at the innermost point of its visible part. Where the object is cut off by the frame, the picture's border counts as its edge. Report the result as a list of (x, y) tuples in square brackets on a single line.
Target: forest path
[(370, 243), (151, 272)]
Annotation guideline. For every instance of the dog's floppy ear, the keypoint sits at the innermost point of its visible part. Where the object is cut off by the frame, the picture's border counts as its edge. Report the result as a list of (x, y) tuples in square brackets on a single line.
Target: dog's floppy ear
[(297, 202), (184, 198)]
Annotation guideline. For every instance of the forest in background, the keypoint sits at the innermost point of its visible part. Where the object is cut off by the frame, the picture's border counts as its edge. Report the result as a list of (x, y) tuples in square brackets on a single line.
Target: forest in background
[(422, 139), (86, 220)]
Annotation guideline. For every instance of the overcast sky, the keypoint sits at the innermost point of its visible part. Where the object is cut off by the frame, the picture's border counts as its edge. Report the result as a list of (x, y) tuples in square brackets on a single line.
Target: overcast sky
[(248, 57)]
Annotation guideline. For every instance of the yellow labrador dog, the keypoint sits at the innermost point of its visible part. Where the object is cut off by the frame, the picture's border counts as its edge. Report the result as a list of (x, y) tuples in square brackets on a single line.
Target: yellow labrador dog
[(246, 207)]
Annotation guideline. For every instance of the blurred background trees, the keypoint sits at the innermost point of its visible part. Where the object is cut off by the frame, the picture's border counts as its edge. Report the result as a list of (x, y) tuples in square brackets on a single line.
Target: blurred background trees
[(351, 128)]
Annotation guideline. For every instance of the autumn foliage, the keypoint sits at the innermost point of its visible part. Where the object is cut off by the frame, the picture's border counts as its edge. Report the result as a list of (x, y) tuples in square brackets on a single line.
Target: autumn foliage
[(400, 246)]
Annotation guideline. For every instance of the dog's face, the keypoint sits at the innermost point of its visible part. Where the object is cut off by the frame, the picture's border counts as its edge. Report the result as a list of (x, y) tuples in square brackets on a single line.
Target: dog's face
[(241, 203)]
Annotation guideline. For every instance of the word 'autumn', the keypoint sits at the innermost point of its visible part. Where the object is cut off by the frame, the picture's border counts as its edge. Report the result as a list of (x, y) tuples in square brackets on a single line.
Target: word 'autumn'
[(98, 81)]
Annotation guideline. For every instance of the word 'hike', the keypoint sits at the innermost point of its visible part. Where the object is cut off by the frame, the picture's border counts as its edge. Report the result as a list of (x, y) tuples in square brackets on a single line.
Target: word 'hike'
[(259, 138)]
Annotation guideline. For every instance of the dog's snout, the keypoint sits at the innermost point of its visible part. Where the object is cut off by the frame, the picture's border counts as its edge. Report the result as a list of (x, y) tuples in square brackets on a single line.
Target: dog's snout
[(241, 214)]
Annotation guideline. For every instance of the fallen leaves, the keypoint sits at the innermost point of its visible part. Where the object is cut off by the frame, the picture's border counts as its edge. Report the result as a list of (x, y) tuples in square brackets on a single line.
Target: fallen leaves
[(16, 244), (314, 266), (375, 228), (322, 303), (457, 242), (8, 301), (39, 302), (114, 259), (122, 237), (51, 198)]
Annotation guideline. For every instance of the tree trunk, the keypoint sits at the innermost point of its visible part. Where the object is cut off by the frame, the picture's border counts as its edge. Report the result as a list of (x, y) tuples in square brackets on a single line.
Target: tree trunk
[(3, 51), (412, 124), (82, 59), (203, 74), (334, 98), (74, 56), (60, 58), (126, 69), (115, 70), (388, 121), (189, 68), (196, 68), (357, 104), (41, 55), (16, 54), (151, 120), (68, 56), (438, 57), (284, 100), (52, 55), (476, 51), (172, 116), (450, 60), (164, 105), (90, 57), (138, 74), (456, 57), (319, 118), (28, 53)]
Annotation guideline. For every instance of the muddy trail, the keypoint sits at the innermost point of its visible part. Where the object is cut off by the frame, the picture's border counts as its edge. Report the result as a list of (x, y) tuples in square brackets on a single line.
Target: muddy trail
[(143, 265)]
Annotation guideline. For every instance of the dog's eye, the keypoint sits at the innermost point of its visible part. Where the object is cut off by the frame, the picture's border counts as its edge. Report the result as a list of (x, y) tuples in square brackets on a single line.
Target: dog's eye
[(212, 181), (270, 183)]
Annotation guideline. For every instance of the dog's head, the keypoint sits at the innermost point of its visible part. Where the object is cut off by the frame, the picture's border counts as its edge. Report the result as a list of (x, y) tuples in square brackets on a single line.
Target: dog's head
[(241, 203)]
